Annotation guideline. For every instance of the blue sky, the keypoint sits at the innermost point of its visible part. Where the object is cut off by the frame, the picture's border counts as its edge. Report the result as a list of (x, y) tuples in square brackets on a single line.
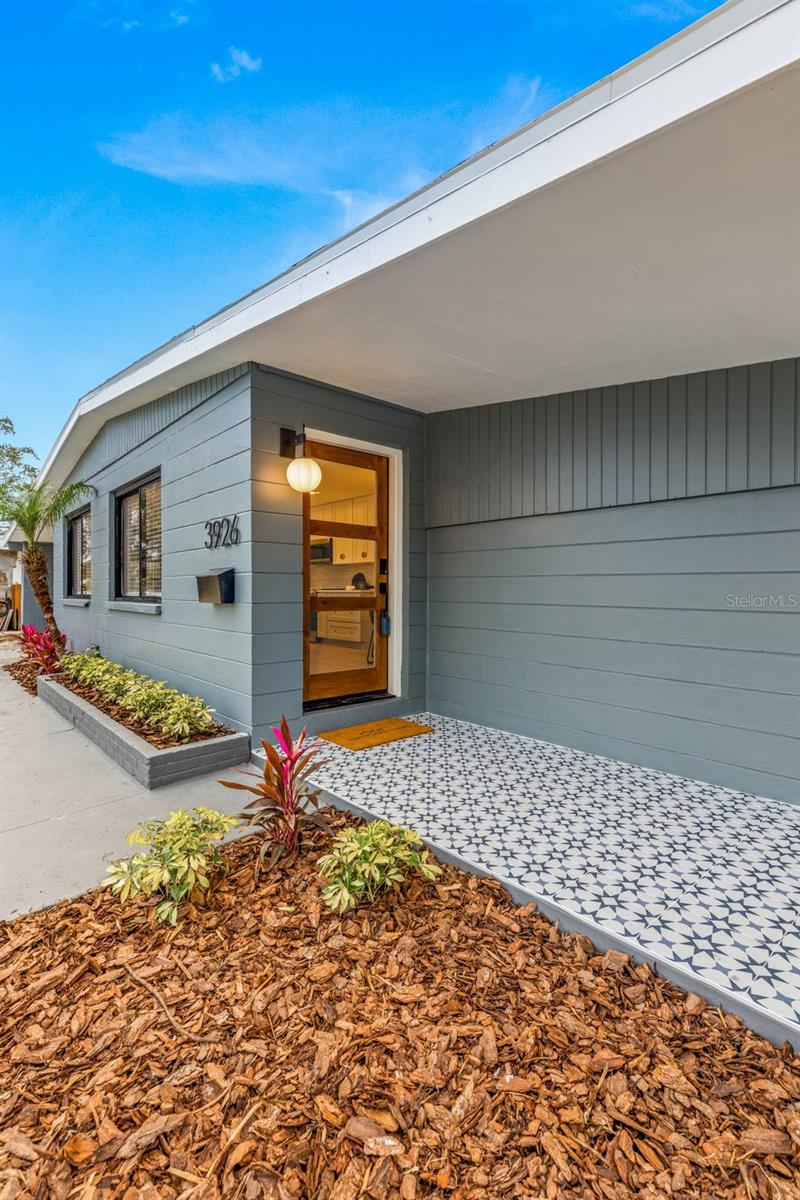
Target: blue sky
[(162, 157)]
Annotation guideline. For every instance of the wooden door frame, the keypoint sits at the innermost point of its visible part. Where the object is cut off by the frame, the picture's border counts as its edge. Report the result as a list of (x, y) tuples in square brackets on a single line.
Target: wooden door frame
[(338, 685)]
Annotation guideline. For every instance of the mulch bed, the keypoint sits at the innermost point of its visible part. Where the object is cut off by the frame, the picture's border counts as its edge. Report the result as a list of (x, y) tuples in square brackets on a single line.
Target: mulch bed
[(441, 1043), (26, 674), (138, 727)]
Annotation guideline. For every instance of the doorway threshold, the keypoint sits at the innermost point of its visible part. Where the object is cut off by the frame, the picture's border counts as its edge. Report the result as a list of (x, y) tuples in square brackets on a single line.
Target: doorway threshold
[(314, 706)]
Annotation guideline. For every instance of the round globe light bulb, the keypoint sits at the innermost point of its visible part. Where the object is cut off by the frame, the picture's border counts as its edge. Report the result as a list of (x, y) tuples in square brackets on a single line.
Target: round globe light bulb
[(304, 474)]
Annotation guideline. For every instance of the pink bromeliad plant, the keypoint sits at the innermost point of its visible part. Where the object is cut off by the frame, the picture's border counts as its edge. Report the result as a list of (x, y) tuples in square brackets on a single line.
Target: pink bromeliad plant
[(286, 803), (41, 648)]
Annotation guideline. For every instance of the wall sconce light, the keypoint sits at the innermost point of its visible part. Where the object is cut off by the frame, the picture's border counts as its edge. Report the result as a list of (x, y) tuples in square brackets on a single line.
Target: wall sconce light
[(302, 474)]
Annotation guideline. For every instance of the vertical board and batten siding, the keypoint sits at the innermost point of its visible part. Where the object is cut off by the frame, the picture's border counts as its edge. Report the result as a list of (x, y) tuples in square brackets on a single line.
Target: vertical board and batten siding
[(199, 439), (663, 439), (619, 571), (285, 400)]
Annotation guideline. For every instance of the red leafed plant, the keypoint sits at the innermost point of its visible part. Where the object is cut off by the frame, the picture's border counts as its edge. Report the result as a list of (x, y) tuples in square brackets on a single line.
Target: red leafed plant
[(285, 802), (41, 648)]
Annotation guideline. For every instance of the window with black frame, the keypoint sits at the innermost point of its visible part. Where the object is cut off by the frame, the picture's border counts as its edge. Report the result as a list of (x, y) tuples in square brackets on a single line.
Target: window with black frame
[(138, 547), (79, 555)]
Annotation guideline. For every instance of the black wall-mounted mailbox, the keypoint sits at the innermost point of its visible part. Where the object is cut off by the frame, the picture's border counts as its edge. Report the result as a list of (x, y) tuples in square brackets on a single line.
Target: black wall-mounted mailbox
[(216, 587)]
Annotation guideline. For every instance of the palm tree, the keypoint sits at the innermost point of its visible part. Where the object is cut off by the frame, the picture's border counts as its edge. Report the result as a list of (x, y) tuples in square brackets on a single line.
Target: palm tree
[(33, 509)]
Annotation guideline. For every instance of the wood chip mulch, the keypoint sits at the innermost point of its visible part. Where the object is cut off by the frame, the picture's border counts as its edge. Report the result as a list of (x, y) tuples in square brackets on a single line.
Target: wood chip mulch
[(441, 1043), (25, 674)]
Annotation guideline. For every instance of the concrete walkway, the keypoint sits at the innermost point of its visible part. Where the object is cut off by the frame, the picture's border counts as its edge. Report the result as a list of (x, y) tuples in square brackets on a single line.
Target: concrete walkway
[(65, 808)]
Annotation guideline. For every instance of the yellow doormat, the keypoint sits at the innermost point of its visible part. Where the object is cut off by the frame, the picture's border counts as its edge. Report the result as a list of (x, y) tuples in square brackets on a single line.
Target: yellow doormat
[(376, 733)]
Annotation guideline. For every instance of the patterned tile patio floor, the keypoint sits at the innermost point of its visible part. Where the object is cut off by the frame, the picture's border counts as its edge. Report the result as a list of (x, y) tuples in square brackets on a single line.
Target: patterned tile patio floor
[(701, 880)]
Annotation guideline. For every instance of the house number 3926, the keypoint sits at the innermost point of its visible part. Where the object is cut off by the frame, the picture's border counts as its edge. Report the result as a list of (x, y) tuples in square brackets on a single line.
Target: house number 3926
[(222, 531)]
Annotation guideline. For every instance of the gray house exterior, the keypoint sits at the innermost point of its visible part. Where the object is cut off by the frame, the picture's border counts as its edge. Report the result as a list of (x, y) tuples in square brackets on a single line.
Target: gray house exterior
[(216, 447), (613, 569), (617, 570), (580, 351)]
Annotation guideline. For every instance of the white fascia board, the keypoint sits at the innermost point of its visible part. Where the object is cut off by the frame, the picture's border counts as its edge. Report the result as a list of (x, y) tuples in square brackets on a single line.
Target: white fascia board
[(731, 49)]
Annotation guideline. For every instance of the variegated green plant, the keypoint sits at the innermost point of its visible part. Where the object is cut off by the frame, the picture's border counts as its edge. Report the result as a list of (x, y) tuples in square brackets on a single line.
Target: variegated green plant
[(181, 858), (157, 706), (367, 859)]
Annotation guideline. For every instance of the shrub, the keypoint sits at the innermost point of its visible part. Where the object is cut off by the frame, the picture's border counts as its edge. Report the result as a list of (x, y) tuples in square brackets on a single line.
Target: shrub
[(41, 648), (181, 858), (285, 803), (157, 706), (367, 859)]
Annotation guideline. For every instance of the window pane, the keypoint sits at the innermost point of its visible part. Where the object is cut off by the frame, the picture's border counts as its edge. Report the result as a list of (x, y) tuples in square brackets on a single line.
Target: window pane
[(75, 557), (86, 554), (139, 547), (129, 537), (151, 538)]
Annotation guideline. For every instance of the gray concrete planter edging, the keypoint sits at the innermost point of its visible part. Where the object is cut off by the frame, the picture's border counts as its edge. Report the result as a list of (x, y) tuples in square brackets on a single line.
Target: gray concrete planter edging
[(150, 766)]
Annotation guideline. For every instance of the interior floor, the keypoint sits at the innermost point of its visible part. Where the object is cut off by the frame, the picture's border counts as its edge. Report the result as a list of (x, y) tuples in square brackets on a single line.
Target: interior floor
[(324, 658)]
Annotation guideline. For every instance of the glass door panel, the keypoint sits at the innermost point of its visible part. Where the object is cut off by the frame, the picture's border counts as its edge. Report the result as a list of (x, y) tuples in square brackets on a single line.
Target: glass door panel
[(342, 640), (346, 575)]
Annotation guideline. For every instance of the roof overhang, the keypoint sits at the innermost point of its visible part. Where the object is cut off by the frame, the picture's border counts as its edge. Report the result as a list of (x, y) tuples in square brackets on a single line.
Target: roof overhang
[(645, 227), (14, 540)]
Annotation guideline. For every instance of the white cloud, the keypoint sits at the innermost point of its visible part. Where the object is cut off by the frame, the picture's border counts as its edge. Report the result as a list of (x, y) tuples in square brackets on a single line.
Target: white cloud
[(127, 15), (121, 23), (664, 10), (339, 152), (184, 151), (238, 61)]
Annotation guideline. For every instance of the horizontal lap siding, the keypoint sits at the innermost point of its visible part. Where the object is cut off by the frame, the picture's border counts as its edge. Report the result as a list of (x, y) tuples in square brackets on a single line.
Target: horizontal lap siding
[(689, 435), (199, 439), (585, 554), (216, 445), (282, 400), (616, 631)]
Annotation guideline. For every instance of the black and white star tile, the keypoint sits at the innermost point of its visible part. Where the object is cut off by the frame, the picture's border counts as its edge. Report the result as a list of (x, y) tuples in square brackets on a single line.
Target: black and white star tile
[(704, 877)]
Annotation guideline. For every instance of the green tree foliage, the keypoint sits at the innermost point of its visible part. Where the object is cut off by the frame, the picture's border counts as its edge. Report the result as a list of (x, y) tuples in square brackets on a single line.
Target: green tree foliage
[(16, 471)]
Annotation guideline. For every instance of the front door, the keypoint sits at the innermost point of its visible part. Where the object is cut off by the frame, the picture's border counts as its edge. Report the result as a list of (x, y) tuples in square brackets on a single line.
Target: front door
[(346, 576)]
